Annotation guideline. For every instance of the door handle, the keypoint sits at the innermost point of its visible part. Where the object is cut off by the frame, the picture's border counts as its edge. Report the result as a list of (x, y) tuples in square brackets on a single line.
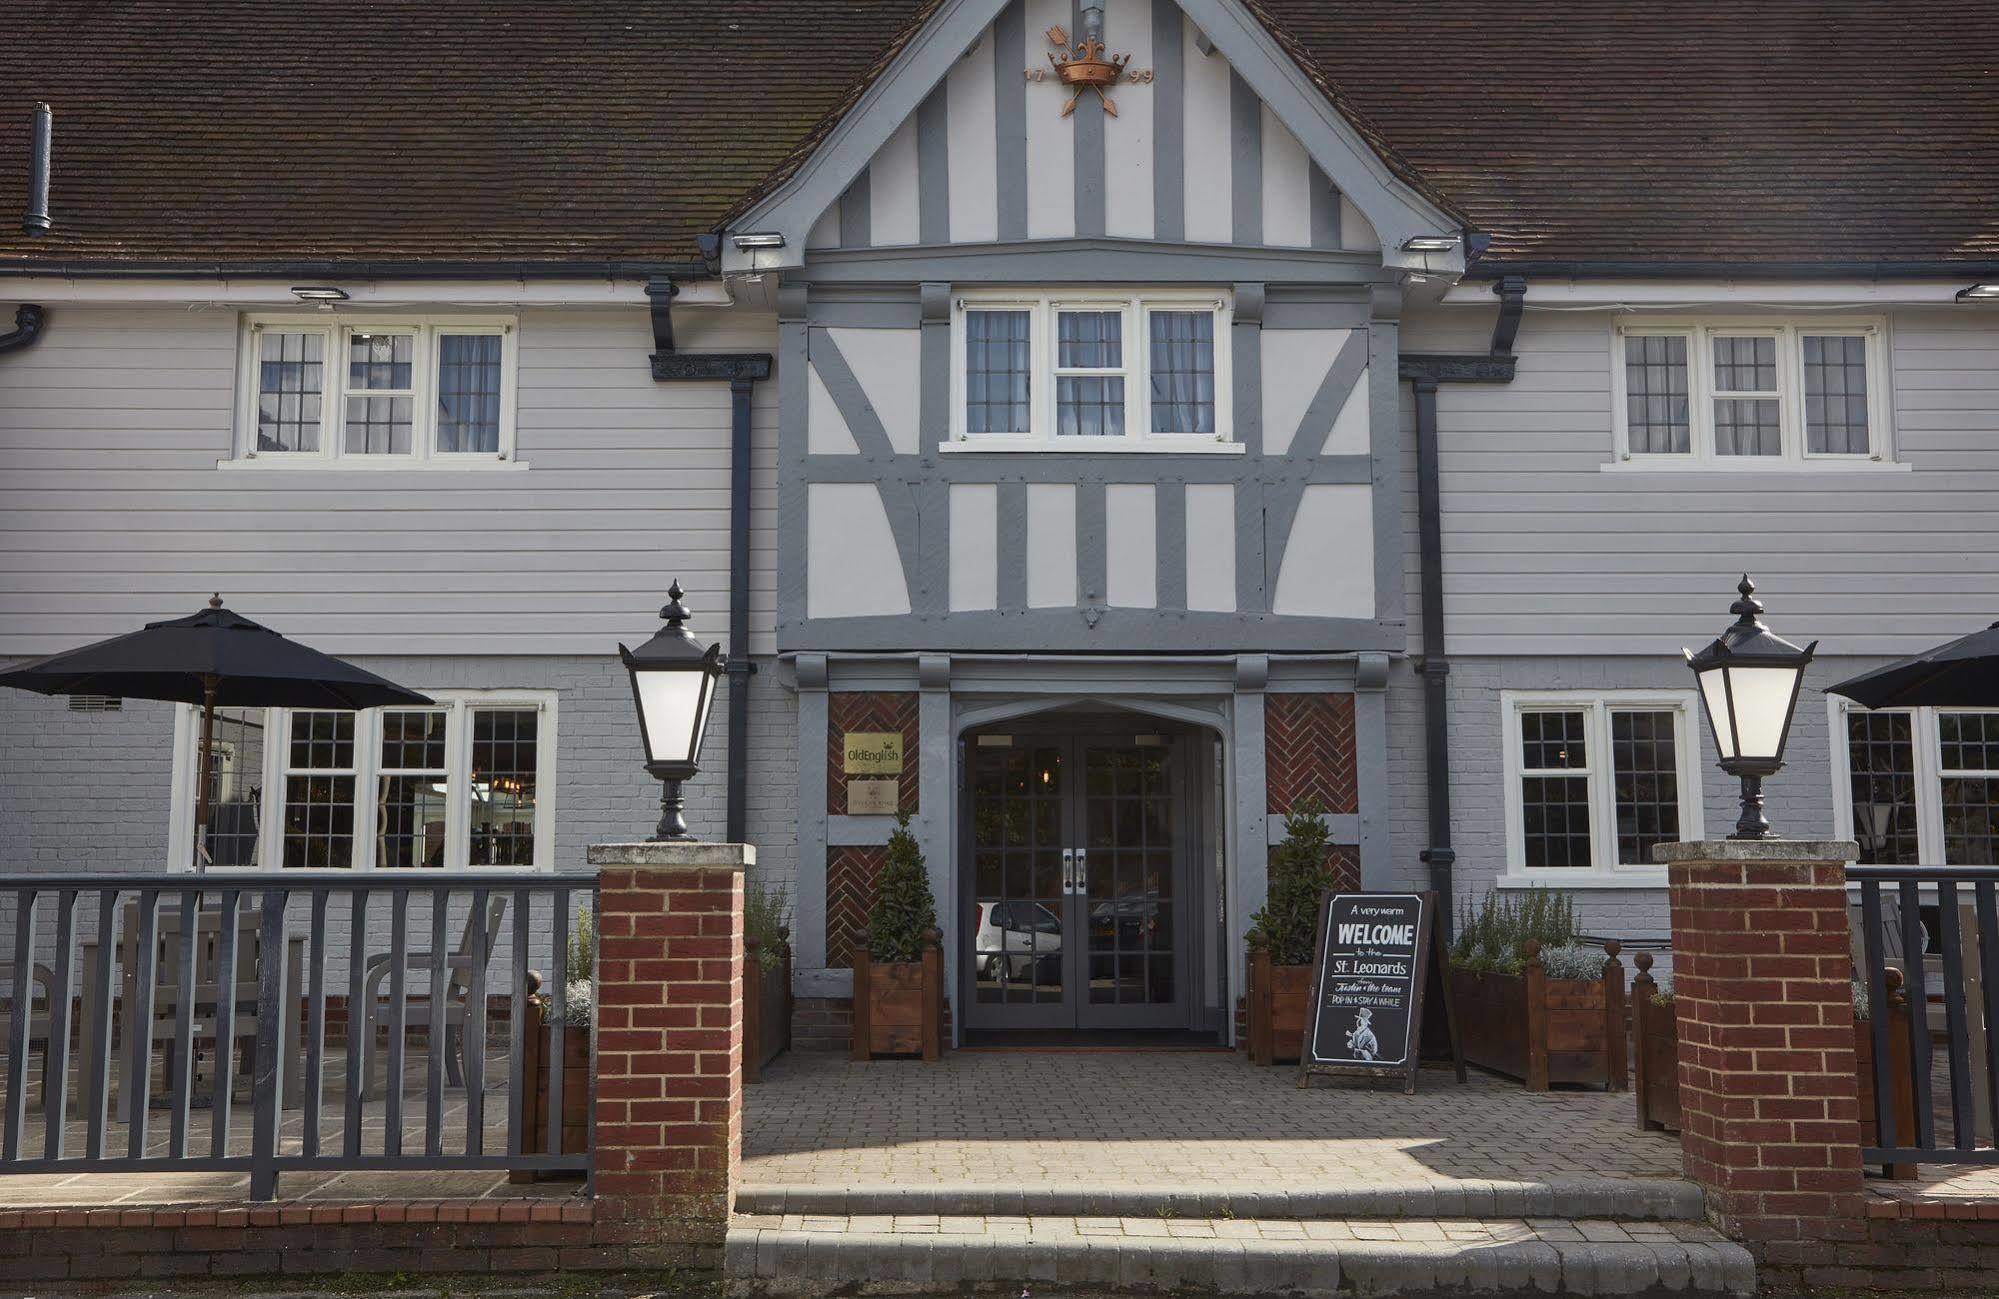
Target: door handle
[(1082, 871), (1068, 871)]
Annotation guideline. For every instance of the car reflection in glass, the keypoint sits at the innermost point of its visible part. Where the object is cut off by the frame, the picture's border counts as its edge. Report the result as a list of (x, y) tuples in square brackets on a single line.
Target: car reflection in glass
[(1023, 939)]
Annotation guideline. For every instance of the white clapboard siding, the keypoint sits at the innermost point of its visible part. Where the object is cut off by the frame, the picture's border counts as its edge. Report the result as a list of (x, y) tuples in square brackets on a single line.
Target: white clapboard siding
[(113, 509), (1546, 553)]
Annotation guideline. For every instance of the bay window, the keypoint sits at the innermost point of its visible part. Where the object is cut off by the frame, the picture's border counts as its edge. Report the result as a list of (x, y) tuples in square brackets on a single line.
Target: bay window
[(1918, 786), (465, 784), (1102, 373), (1595, 780), (377, 391), (1749, 394)]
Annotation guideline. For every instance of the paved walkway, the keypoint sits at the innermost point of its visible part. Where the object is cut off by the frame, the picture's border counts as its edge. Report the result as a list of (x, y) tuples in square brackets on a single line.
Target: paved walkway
[(1194, 1121)]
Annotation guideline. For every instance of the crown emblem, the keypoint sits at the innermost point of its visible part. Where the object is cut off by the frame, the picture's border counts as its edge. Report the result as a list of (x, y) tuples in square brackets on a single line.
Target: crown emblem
[(1083, 67)]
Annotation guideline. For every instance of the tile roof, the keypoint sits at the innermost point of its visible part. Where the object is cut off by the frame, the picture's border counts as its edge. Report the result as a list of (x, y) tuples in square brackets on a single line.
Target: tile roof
[(1575, 131)]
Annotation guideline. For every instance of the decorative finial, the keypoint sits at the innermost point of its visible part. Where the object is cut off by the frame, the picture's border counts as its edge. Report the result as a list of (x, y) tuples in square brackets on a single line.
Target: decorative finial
[(215, 601), (1748, 608), (675, 613)]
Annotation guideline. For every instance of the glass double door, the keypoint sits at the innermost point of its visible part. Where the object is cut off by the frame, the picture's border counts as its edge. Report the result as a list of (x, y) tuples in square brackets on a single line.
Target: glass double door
[(1076, 868)]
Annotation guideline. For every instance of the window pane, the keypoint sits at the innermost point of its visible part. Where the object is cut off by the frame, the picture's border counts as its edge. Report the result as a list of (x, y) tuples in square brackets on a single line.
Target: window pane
[(1183, 371), (1646, 780), (1968, 743), (1089, 340), (1657, 412), (1089, 406), (1745, 365), (468, 393), (291, 377), (1747, 427), (235, 788), (1554, 813), (319, 791), (996, 371), (1552, 740), (503, 785), (1882, 754), (1835, 395), (379, 425), (410, 819)]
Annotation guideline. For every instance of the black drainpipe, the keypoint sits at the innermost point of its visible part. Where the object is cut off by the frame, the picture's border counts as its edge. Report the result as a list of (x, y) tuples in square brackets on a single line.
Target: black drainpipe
[(1424, 373), (28, 322), (740, 370), (28, 317)]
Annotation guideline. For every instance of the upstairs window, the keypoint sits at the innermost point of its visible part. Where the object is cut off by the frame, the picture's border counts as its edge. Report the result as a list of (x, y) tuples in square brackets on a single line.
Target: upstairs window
[(1044, 372), (388, 391), (1750, 395)]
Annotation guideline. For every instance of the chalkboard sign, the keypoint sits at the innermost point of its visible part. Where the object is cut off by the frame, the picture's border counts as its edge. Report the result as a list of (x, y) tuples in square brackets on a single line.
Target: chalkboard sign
[(1377, 957)]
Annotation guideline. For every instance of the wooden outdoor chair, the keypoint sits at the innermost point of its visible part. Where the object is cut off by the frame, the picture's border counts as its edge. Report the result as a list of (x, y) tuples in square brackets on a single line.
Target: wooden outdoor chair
[(240, 1033), (457, 995), (41, 986)]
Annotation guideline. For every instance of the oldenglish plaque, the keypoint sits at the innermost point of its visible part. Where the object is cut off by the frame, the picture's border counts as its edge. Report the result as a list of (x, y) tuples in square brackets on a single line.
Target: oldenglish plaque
[(1378, 958)]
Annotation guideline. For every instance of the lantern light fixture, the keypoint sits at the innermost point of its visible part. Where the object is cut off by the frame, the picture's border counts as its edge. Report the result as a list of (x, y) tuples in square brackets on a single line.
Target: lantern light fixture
[(673, 686), (1749, 681)]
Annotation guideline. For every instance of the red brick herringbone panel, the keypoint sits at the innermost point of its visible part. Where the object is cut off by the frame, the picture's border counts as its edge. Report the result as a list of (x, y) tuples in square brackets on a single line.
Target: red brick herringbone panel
[(1342, 858), (1309, 752), (850, 889), (870, 710)]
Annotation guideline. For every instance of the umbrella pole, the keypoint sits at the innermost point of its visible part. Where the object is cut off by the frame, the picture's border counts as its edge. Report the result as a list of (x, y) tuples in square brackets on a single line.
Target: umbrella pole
[(208, 686)]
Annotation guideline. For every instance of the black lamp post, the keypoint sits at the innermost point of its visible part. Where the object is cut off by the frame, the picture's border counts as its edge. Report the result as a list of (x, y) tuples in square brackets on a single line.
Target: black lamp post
[(673, 683), (1749, 681)]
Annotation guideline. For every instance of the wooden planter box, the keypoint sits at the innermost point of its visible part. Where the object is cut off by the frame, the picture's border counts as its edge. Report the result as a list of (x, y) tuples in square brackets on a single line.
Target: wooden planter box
[(534, 1084), (1544, 1031), (1277, 998), (899, 1007), (766, 1011), (1655, 1032)]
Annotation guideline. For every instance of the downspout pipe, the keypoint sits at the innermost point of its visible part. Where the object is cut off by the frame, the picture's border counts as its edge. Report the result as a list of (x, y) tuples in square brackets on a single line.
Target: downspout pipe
[(29, 320), (740, 370), (1425, 372)]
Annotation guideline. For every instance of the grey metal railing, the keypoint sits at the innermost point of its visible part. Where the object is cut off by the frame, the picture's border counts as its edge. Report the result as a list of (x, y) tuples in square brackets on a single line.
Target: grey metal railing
[(1939, 928), (108, 978)]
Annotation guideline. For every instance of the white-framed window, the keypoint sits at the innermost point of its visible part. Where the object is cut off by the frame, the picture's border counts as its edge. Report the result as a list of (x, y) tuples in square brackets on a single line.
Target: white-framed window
[(371, 391), (1917, 786), (1104, 371), (1750, 394), (1595, 779), (468, 783)]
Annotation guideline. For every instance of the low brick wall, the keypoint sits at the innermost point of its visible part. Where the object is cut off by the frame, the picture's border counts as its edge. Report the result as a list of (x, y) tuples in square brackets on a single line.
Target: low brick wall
[(299, 1238), (1907, 1246), (822, 1024)]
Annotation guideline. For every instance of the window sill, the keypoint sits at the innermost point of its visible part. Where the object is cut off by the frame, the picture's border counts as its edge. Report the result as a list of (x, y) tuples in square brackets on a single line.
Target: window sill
[(1752, 465), (1199, 446), (370, 464), (1636, 878)]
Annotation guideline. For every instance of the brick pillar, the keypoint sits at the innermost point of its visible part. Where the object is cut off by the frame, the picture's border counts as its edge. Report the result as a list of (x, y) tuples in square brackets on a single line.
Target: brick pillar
[(1768, 1097), (669, 1098)]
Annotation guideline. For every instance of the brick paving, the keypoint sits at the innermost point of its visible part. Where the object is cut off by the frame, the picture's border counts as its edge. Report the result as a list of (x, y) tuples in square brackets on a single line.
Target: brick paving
[(1186, 1121)]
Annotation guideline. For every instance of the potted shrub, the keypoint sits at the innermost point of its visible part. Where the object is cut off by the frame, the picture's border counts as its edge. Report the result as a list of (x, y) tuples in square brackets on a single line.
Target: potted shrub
[(1282, 933), (578, 1015), (1655, 1081), (1531, 1001), (766, 980), (899, 972)]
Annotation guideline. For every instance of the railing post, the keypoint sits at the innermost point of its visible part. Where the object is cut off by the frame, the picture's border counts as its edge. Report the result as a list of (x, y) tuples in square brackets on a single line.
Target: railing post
[(1769, 1097), (1616, 1040), (668, 1096), (268, 1076)]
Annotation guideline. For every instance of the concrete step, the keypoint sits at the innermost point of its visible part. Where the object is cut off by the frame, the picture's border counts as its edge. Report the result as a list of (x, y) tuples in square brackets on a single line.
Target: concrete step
[(1572, 1196), (794, 1254)]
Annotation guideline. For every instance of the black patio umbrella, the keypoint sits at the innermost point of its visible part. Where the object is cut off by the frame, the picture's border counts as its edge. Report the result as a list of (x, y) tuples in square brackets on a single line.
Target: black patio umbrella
[(214, 658), (1962, 674)]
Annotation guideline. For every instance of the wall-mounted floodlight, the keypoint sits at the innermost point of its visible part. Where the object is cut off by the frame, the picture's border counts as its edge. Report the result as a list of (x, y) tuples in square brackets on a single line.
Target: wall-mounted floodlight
[(765, 239), (1430, 244), (1978, 293)]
